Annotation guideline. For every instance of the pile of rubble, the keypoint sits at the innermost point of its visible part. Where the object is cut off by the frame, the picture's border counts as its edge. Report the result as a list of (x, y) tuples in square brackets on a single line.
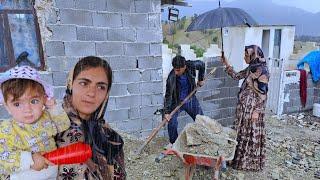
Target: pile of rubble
[(293, 152), (306, 120)]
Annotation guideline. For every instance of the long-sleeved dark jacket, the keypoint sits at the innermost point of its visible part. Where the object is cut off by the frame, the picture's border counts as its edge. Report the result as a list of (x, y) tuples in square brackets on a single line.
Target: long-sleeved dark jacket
[(172, 88)]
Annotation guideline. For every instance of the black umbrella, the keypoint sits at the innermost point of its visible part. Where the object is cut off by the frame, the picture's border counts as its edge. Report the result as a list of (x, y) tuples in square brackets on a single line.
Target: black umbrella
[(221, 17)]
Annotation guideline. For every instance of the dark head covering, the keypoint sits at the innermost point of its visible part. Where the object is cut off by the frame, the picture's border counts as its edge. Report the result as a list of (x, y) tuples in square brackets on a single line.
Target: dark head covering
[(256, 59)]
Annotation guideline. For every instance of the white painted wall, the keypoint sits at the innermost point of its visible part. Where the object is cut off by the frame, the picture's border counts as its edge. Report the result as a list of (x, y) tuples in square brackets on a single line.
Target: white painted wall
[(238, 37), (234, 43), (167, 57)]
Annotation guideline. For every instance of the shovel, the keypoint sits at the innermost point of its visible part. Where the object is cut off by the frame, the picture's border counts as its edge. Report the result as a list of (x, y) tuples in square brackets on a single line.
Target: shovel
[(164, 120)]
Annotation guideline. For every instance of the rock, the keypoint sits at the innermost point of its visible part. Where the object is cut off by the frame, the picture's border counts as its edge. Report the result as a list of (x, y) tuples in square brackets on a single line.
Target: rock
[(239, 176), (275, 174), (308, 153), (294, 161), (288, 163)]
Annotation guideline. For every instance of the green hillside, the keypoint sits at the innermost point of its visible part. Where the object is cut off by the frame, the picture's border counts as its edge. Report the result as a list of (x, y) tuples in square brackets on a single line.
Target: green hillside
[(174, 34)]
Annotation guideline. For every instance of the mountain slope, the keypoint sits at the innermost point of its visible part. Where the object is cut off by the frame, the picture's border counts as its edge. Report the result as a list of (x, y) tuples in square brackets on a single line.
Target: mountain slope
[(267, 13)]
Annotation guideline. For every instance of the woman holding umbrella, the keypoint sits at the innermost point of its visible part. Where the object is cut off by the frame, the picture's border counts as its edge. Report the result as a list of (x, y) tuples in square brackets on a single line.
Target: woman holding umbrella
[(250, 111)]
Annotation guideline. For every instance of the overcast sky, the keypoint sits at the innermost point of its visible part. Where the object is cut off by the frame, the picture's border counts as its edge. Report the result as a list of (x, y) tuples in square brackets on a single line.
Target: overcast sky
[(308, 5)]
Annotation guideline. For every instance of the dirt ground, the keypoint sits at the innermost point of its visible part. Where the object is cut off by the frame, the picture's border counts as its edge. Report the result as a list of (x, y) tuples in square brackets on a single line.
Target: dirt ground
[(293, 152)]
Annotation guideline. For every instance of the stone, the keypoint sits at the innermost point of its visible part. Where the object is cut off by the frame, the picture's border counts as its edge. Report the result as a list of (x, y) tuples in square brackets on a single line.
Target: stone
[(239, 176), (275, 174)]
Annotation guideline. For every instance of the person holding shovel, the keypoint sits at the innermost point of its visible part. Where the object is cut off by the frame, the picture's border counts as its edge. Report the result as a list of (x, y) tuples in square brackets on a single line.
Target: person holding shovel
[(250, 111), (180, 82)]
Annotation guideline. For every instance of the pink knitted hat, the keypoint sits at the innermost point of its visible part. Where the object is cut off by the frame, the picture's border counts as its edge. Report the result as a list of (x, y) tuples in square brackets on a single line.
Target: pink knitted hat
[(25, 72)]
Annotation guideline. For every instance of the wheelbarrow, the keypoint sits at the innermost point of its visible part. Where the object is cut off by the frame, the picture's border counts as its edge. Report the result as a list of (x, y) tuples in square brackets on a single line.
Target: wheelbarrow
[(191, 160)]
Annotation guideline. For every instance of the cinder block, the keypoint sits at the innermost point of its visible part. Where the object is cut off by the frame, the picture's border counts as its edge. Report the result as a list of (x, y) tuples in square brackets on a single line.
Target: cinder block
[(147, 124), (217, 94), (134, 113), (134, 88), (97, 5), (128, 101), (213, 84), (146, 75), (52, 16), (310, 83), (210, 105), (109, 48), (233, 91), (144, 35), (136, 49), (229, 82), (59, 78), (92, 34), (80, 48), (110, 20), (126, 35), (135, 20), (143, 6), (78, 17), (156, 75), (111, 103), (117, 115), (56, 64), (122, 62), (130, 126), (154, 20), (125, 6), (227, 121), (70, 63), (118, 90), (59, 92), (55, 48), (316, 92), (151, 87), (63, 32), (157, 99), (156, 49), (149, 62), (147, 112), (227, 102), (64, 3), (216, 114), (126, 76), (225, 113), (219, 73), (214, 63), (146, 100), (204, 95), (47, 77)]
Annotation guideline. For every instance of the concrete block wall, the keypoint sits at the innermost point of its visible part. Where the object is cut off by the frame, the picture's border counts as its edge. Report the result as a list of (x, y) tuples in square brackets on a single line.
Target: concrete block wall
[(128, 33), (218, 97), (317, 92), (292, 100)]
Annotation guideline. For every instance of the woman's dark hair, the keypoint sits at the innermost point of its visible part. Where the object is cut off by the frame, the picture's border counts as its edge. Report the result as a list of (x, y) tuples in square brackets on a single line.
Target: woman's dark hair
[(178, 62), (93, 62)]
